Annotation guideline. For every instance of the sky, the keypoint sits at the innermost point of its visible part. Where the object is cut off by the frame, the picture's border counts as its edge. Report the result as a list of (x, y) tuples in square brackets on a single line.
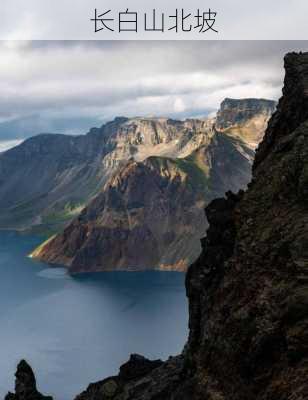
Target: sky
[(69, 87)]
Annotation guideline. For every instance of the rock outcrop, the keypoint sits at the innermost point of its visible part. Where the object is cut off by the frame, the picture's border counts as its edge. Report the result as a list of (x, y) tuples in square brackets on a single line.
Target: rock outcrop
[(248, 291), (245, 119), (25, 385)]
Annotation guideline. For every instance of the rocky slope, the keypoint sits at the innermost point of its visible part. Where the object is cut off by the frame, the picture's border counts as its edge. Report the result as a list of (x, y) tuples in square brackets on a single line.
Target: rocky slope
[(248, 291), (159, 200), (158, 203), (52, 177), (245, 119)]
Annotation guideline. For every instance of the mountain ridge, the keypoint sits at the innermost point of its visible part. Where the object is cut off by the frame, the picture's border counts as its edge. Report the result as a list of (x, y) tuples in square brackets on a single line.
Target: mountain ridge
[(159, 202), (51, 173)]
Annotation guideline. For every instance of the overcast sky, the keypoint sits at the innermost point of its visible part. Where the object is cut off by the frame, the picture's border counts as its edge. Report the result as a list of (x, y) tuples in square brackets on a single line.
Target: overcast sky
[(69, 87)]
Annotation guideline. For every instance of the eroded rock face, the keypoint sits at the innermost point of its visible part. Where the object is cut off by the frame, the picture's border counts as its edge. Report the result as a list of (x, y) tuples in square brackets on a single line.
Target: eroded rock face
[(235, 112), (158, 196), (245, 118), (136, 368), (249, 310), (159, 203)]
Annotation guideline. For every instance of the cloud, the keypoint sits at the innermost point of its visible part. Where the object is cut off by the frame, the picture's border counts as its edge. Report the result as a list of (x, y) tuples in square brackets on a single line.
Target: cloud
[(70, 86), (8, 144)]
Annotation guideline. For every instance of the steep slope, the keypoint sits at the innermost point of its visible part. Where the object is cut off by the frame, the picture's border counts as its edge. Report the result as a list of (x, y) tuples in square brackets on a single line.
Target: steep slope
[(46, 171), (246, 118), (158, 203), (47, 179), (249, 305), (51, 177)]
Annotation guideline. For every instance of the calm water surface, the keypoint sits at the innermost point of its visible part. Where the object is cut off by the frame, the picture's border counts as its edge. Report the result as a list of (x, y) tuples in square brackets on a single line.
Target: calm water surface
[(74, 331)]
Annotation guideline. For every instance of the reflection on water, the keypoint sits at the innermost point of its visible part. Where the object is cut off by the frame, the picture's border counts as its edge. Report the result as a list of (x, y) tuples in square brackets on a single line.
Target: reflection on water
[(75, 330), (54, 273)]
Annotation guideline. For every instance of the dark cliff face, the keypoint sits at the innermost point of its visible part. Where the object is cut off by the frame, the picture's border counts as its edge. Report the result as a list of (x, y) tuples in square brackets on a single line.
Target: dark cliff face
[(248, 291), (138, 205), (25, 385), (292, 108)]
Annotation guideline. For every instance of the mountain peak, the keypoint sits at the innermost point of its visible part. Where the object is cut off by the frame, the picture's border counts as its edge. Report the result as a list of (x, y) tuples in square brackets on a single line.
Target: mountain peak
[(245, 118), (238, 111), (292, 109)]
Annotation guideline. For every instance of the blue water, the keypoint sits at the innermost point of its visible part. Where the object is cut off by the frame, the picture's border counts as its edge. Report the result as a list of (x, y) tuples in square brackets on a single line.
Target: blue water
[(74, 331)]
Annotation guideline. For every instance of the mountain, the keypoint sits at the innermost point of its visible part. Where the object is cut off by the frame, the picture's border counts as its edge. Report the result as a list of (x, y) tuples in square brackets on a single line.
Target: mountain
[(245, 119), (46, 176), (248, 291), (52, 176), (159, 203), (156, 199)]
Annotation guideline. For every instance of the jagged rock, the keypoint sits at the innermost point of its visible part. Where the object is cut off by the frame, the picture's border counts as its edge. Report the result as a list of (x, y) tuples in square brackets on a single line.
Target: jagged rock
[(137, 366), (25, 385), (134, 370)]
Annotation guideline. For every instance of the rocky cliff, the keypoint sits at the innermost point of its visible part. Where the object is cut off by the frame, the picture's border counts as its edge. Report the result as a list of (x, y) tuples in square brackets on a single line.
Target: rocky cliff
[(248, 291), (159, 203), (52, 177), (25, 385), (158, 196), (245, 118)]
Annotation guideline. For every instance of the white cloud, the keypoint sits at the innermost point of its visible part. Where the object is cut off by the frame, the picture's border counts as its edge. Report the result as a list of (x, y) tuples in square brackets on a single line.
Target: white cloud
[(8, 144), (179, 105)]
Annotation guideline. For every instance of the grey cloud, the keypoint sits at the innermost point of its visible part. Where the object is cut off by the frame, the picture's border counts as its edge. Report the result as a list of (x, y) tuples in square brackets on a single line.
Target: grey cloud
[(63, 86)]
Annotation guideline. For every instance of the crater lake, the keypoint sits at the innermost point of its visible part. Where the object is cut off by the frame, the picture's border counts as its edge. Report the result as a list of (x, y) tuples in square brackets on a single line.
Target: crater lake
[(77, 330)]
